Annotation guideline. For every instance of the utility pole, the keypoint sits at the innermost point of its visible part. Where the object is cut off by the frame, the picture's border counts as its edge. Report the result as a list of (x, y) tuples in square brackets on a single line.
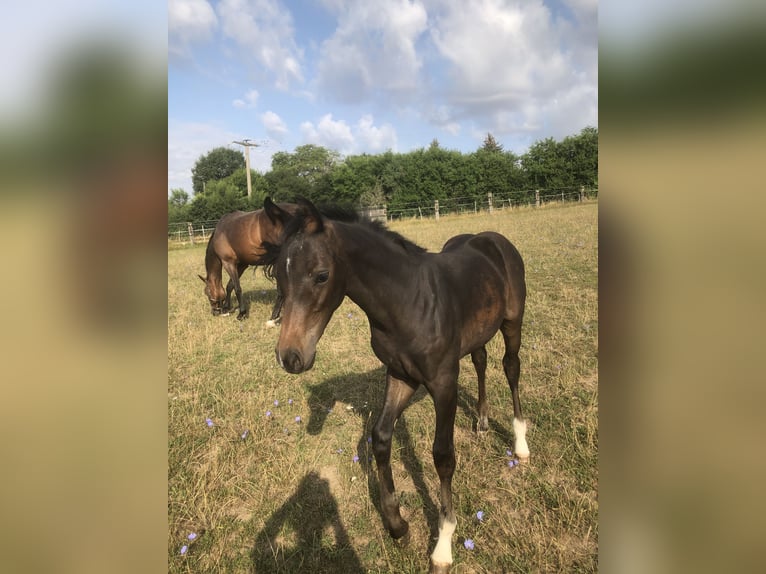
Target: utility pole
[(247, 144)]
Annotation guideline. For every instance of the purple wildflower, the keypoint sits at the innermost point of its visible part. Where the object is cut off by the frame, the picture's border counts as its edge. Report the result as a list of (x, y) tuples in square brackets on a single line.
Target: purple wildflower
[(244, 434), (184, 548), (356, 458), (480, 515), (268, 413), (512, 463), (192, 536), (297, 419), (209, 422), (276, 403), (509, 452), (468, 544), (369, 439), (340, 451), (289, 401)]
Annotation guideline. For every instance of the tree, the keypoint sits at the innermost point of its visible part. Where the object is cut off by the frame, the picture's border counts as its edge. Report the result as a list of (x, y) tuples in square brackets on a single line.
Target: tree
[(178, 197), (491, 145), (215, 165), (178, 206)]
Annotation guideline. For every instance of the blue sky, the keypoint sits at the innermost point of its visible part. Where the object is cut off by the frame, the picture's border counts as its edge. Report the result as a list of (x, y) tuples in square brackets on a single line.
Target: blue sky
[(366, 76)]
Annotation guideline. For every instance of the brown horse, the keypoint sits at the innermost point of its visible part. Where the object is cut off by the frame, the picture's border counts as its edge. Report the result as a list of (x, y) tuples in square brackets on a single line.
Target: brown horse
[(426, 312), (236, 243)]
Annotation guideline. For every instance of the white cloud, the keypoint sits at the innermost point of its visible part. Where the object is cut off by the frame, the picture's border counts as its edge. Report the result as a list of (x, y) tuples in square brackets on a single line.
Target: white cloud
[(275, 127), (507, 66), (189, 21), (339, 136), (264, 31), (329, 133), (250, 100), (373, 50), (373, 139)]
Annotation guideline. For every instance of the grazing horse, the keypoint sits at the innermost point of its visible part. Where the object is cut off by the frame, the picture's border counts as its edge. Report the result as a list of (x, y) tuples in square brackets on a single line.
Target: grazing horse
[(426, 312), (236, 243)]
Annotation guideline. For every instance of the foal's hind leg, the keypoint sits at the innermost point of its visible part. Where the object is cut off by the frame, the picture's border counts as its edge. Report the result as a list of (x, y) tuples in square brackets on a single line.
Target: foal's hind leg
[(479, 358), (511, 330)]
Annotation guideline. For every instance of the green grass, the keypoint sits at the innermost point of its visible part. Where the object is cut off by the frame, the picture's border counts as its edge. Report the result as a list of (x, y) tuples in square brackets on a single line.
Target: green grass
[(285, 499)]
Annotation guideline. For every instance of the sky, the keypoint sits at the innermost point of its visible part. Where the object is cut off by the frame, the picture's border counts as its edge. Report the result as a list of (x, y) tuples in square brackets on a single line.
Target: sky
[(361, 76)]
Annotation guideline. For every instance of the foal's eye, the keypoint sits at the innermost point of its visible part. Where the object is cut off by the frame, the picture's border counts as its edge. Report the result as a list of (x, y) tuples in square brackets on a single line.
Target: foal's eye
[(322, 277)]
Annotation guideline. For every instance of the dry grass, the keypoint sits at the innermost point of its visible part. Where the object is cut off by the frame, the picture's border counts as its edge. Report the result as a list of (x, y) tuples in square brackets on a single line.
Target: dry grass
[(289, 497)]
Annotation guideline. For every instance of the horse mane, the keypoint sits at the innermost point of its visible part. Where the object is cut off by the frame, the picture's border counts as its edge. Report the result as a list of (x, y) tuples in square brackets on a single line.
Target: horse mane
[(343, 214), (210, 255), (349, 215)]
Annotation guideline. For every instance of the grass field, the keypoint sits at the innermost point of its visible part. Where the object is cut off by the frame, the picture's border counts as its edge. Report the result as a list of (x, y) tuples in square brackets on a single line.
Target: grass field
[(274, 493)]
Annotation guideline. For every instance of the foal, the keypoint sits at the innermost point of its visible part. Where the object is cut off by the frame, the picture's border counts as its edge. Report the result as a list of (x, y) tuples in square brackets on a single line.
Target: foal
[(426, 311)]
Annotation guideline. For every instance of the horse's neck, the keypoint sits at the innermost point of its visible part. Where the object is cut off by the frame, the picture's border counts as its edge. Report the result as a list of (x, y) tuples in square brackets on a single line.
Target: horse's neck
[(213, 265), (378, 274)]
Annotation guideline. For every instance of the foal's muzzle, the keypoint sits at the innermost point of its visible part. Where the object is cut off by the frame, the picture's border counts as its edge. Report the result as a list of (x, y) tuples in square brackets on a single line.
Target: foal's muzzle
[(293, 362)]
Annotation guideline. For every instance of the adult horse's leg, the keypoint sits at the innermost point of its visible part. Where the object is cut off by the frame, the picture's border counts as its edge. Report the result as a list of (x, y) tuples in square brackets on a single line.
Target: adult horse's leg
[(445, 401), (511, 330), (274, 321), (479, 358), (398, 393), (232, 284), (235, 273)]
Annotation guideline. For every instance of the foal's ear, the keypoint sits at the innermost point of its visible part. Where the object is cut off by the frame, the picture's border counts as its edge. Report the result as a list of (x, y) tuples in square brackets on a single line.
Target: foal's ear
[(203, 279), (276, 214), (312, 219)]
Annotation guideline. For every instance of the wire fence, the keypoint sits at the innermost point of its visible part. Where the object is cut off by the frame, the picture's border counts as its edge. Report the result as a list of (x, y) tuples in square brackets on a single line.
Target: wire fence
[(192, 233)]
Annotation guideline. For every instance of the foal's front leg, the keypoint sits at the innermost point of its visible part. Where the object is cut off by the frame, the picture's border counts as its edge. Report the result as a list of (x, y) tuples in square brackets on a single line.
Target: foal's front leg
[(398, 393), (445, 401)]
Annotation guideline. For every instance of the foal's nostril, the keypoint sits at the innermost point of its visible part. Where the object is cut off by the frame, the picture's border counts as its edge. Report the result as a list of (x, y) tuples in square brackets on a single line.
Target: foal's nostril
[(292, 362)]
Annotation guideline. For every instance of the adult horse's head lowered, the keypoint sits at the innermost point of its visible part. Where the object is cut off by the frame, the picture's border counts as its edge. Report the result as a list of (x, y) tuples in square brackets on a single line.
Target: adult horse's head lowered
[(236, 243), (426, 311)]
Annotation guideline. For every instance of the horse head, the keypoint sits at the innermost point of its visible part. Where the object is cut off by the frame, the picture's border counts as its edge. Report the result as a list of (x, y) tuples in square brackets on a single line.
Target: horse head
[(311, 279), (215, 293)]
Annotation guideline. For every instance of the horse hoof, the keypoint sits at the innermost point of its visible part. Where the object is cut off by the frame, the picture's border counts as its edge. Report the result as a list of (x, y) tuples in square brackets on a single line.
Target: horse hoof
[(523, 461), (439, 568), (401, 532), (403, 541), (241, 316)]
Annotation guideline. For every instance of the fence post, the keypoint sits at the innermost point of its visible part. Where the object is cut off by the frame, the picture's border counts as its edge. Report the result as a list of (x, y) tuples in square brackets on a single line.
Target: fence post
[(489, 201), (191, 231), (537, 198), (203, 232), (436, 209), (562, 197), (582, 193)]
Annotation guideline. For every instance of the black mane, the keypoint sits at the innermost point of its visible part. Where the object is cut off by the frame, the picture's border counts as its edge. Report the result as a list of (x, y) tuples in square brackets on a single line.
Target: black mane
[(342, 214), (348, 215)]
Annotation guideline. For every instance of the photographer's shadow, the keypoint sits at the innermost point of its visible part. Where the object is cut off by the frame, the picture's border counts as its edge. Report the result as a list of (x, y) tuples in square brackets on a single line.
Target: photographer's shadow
[(295, 538)]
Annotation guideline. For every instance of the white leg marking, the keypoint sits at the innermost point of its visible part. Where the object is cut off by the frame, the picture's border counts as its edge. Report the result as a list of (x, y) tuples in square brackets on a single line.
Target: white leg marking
[(443, 551), (520, 431)]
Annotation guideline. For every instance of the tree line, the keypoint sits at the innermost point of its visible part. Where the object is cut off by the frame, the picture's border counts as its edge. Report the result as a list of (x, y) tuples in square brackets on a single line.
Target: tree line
[(219, 178)]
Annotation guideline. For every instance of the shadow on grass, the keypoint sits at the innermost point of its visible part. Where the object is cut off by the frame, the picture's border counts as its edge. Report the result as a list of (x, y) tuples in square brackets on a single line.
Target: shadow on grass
[(308, 514), (365, 391)]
